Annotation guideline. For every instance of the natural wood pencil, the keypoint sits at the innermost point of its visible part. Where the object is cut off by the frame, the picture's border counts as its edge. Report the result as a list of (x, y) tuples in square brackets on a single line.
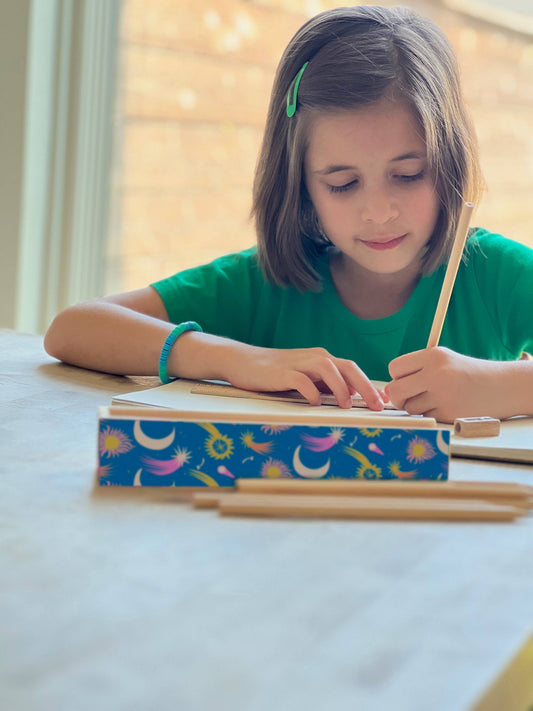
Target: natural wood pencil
[(381, 508), (209, 499), (451, 273), (356, 487)]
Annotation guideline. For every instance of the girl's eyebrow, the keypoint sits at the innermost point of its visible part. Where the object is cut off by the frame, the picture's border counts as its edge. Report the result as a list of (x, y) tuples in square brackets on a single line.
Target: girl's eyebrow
[(334, 169), (338, 168), (409, 156)]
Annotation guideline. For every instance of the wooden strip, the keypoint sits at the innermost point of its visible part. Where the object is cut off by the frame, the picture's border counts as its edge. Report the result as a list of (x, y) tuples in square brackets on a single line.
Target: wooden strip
[(451, 273), (310, 416), (505, 495), (209, 499), (523, 503), (356, 487), (219, 389), (380, 508)]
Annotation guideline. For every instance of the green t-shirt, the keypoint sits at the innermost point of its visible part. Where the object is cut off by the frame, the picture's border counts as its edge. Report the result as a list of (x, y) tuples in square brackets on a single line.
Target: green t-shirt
[(490, 313)]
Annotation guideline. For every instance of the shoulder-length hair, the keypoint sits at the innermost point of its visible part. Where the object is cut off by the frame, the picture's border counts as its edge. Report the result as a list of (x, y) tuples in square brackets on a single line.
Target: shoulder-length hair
[(358, 55)]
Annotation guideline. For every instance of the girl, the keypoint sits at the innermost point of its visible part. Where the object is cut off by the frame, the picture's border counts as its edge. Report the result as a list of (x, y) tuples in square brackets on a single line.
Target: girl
[(367, 157)]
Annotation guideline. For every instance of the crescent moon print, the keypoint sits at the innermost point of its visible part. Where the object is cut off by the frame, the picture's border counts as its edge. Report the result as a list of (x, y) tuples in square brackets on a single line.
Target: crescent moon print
[(137, 480), (151, 442), (306, 472), (441, 444)]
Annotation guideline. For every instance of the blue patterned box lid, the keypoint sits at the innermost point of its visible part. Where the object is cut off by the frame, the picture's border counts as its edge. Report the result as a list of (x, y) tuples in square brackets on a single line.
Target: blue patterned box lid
[(167, 452)]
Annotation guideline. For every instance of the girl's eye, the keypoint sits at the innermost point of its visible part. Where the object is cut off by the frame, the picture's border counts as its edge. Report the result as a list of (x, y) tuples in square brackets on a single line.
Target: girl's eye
[(410, 178), (342, 188)]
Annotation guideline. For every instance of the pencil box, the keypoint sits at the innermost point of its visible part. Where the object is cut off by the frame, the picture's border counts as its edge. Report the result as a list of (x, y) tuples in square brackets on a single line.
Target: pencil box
[(154, 447)]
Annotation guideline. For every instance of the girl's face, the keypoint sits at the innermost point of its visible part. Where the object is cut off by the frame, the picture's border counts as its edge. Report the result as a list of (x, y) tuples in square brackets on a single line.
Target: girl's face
[(367, 174)]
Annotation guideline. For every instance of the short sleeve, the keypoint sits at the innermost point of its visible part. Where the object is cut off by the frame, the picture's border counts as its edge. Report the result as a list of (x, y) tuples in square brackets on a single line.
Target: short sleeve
[(220, 296), (504, 272)]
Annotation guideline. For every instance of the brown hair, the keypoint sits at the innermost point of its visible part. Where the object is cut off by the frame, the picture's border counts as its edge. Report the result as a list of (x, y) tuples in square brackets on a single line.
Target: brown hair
[(358, 55)]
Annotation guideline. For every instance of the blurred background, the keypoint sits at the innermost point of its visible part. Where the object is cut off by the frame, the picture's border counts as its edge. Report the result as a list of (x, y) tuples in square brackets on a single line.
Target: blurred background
[(136, 126)]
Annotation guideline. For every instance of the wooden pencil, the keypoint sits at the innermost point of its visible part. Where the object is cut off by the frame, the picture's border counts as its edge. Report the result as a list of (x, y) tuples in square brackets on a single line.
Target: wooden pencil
[(451, 273), (462, 500), (212, 499), (209, 499), (379, 508), (411, 489)]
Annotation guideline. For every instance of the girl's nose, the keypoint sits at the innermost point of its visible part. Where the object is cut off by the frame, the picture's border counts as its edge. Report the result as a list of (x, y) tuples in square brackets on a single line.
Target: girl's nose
[(378, 206)]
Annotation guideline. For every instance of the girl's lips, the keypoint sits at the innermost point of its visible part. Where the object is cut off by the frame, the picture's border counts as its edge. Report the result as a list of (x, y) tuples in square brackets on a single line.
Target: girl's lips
[(385, 244)]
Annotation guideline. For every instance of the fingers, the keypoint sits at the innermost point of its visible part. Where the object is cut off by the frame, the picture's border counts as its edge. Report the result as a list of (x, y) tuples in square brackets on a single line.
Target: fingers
[(419, 404), (408, 383), (307, 370), (405, 390), (407, 364), (425, 387), (323, 388), (414, 376), (324, 368), (353, 374), (343, 378), (305, 386)]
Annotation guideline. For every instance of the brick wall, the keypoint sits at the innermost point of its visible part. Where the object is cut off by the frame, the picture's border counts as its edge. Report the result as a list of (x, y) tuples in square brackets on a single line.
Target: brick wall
[(195, 77)]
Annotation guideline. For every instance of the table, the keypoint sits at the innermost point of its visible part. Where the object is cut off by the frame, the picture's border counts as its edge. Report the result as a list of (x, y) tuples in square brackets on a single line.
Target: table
[(119, 602)]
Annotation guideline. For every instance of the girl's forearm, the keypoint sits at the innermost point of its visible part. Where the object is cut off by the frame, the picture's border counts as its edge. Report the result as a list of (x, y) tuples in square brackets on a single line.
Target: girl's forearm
[(112, 338), (202, 356), (108, 337)]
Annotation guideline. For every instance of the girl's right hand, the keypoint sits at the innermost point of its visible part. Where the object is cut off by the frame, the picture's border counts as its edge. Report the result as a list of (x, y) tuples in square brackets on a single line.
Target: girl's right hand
[(310, 371)]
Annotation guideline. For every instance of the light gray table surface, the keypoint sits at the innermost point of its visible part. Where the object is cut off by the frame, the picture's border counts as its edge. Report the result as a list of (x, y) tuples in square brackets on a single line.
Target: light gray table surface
[(123, 603)]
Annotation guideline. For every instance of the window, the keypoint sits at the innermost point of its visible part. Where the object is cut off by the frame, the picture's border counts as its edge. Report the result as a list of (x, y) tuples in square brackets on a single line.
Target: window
[(189, 107), (195, 81)]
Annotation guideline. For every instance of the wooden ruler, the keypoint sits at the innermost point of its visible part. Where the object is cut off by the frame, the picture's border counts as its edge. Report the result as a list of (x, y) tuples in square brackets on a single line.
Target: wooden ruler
[(280, 396)]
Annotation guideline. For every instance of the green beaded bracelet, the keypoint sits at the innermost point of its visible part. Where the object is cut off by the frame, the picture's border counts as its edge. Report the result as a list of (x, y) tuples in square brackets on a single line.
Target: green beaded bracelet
[(169, 342)]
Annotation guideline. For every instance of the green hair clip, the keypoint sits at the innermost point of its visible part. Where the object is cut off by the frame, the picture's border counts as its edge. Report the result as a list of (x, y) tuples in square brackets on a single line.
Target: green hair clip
[(291, 105)]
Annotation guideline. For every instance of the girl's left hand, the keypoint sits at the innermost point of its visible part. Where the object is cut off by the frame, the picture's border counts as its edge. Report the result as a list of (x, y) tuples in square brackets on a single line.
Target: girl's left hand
[(443, 384)]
